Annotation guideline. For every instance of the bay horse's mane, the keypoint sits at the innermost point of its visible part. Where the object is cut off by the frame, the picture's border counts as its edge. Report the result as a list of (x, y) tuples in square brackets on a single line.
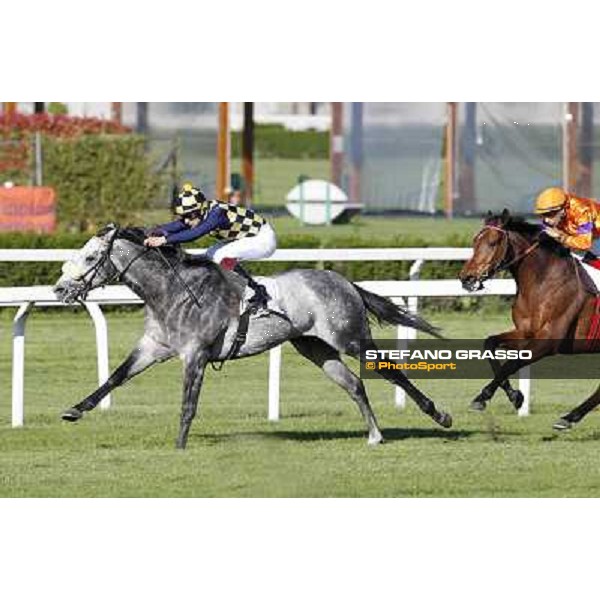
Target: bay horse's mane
[(532, 232)]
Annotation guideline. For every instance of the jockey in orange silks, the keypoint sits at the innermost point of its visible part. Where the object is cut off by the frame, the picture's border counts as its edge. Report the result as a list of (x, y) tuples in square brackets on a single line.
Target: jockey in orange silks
[(572, 221)]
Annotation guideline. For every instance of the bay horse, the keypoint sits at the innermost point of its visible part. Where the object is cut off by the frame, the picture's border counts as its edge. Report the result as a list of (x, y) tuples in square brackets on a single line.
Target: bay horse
[(192, 310), (555, 310)]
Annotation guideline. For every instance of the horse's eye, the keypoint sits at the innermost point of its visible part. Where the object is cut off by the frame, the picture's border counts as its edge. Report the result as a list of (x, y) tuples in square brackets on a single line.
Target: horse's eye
[(89, 259)]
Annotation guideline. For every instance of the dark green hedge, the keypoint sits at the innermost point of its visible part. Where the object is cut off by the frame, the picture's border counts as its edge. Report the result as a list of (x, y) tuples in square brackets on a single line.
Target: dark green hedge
[(274, 141)]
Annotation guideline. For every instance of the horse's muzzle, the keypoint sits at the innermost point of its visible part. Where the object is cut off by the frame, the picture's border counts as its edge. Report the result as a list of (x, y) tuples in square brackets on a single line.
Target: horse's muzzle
[(67, 292), (471, 283)]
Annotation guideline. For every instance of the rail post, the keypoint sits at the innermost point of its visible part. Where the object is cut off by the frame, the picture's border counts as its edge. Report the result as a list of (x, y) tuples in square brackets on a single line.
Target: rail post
[(101, 328), (274, 382), (18, 370)]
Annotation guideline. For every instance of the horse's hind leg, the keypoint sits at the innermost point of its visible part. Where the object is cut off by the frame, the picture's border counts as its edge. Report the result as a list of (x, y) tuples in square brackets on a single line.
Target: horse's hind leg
[(398, 378), (146, 353), (329, 360), (578, 413)]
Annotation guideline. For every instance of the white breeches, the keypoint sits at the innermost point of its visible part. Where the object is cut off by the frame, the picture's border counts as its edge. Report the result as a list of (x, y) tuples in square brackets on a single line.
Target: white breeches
[(261, 245)]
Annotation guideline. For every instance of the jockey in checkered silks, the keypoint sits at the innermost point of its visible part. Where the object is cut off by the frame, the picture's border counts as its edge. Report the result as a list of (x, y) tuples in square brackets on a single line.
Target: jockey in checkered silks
[(243, 234)]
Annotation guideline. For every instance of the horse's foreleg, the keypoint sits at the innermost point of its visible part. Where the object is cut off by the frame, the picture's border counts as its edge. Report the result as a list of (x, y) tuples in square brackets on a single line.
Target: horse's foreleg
[(578, 413), (194, 367), (147, 353), (515, 396), (539, 349)]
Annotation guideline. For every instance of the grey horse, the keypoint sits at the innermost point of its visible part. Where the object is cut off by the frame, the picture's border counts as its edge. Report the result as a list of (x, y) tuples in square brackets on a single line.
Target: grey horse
[(192, 310)]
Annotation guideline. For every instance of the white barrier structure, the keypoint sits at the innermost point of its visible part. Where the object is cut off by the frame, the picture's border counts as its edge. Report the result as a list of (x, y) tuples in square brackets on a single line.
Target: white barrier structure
[(404, 292)]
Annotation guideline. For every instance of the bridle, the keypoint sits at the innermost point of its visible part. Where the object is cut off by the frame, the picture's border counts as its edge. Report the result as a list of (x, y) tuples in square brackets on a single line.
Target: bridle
[(120, 273), (106, 257), (505, 264)]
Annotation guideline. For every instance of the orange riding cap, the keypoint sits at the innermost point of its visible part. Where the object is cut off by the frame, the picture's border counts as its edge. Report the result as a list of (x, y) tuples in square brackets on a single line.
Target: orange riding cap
[(581, 223)]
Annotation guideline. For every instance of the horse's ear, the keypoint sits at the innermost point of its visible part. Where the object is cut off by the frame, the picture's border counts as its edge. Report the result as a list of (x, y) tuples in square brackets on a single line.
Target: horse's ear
[(107, 229), (505, 216)]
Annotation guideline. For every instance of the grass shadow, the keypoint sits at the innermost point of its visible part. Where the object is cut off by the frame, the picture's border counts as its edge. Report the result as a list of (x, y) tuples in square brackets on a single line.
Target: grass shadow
[(389, 435)]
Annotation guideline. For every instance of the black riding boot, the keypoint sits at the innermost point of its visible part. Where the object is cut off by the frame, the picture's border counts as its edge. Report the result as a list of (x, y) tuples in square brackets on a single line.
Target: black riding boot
[(261, 297)]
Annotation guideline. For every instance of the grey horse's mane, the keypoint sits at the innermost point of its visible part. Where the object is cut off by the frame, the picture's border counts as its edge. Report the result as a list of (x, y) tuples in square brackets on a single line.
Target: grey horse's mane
[(174, 254)]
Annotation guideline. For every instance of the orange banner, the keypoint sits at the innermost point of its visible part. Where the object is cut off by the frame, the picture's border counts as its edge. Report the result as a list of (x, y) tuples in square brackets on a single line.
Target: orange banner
[(28, 209)]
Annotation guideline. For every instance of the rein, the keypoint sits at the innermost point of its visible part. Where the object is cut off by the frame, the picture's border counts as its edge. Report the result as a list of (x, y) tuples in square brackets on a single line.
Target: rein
[(242, 332), (502, 266), (107, 257), (241, 335)]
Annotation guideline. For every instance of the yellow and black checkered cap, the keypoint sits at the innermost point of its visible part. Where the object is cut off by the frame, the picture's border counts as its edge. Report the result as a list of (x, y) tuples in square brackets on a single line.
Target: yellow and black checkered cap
[(189, 200)]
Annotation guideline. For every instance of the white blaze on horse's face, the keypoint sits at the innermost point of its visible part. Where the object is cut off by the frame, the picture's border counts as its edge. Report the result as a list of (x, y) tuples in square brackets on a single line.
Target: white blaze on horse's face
[(78, 272), (85, 259)]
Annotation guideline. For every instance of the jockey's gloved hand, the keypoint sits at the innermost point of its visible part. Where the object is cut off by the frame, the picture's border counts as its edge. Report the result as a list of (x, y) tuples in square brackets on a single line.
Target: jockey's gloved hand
[(154, 232), (552, 232)]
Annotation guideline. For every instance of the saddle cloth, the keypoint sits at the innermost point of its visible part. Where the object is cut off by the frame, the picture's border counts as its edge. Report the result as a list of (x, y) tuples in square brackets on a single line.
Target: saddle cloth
[(273, 291), (592, 272)]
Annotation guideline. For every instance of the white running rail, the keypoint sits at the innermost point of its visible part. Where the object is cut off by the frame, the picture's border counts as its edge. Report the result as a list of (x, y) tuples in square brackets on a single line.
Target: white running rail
[(403, 292)]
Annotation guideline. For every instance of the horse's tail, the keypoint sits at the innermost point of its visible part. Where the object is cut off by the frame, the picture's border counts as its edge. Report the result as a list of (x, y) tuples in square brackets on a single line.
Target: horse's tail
[(385, 311)]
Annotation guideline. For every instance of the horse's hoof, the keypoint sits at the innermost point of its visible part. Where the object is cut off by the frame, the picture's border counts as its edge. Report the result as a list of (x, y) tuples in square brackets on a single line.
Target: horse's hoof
[(72, 415), (516, 398), (562, 425), (478, 405), (445, 420)]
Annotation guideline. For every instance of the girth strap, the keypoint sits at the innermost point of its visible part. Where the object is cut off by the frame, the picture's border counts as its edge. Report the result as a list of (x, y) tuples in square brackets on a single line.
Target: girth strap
[(238, 341)]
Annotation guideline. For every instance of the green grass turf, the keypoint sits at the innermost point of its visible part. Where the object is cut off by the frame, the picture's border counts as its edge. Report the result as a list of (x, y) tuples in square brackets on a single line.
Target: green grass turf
[(275, 177), (317, 449)]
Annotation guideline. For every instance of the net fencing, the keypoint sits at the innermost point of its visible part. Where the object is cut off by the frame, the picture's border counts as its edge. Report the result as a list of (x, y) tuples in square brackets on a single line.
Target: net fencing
[(182, 136), (505, 153), (397, 148)]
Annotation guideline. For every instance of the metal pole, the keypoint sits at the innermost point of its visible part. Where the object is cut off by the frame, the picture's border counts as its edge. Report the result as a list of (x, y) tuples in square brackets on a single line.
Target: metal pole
[(223, 151), (38, 159), (450, 160), (116, 111), (141, 117), (356, 151), (468, 151), (10, 108), (586, 149), (573, 153), (328, 205), (336, 142), (565, 146), (248, 152)]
